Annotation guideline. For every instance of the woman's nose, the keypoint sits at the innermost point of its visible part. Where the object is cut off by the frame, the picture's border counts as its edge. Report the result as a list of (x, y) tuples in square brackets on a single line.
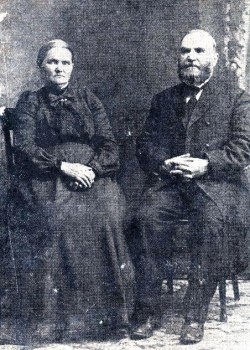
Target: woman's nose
[(58, 68)]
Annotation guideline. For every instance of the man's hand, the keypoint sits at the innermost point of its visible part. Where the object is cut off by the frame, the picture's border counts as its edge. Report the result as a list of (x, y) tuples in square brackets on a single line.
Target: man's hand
[(186, 166), (81, 175), (191, 168), (172, 163)]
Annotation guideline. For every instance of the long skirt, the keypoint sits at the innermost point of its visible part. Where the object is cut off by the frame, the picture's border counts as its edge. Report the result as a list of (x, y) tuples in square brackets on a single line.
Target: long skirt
[(71, 262)]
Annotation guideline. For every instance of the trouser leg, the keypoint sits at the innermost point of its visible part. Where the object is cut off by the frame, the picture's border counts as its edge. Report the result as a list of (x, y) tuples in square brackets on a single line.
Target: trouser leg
[(156, 221), (205, 243)]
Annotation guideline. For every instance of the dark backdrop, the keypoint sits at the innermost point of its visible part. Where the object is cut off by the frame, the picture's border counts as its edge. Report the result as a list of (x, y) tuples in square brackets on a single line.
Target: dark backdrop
[(126, 51)]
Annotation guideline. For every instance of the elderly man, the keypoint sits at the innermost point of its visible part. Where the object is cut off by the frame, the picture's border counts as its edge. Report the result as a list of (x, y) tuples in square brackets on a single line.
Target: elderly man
[(194, 146)]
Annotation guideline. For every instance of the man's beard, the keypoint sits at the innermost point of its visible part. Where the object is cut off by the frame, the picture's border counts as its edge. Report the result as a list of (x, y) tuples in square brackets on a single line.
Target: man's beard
[(193, 75)]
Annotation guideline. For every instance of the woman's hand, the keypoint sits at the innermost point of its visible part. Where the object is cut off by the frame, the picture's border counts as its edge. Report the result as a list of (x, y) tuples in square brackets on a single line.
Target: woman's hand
[(82, 176)]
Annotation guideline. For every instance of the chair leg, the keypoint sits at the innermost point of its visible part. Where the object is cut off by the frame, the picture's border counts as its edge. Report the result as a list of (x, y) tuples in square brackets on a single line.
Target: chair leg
[(170, 284), (170, 275), (222, 294), (236, 288)]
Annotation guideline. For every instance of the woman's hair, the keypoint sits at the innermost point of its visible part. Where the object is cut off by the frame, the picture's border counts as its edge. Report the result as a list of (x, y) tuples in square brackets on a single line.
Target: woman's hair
[(51, 44)]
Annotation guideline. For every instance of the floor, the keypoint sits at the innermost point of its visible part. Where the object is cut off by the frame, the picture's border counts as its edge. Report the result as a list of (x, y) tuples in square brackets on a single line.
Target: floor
[(233, 335)]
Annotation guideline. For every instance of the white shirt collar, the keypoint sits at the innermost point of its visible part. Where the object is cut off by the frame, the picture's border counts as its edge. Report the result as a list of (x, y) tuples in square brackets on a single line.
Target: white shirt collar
[(197, 96), (199, 93)]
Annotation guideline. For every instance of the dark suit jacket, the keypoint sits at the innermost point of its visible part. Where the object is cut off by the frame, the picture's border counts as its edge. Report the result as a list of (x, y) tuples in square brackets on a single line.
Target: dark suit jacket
[(219, 130)]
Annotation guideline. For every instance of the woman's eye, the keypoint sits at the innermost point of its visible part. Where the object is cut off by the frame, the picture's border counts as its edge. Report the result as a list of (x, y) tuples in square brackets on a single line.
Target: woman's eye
[(65, 63), (51, 62)]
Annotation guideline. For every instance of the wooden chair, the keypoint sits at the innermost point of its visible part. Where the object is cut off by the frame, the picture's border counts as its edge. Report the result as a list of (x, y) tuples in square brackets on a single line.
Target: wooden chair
[(7, 121), (180, 250), (180, 253)]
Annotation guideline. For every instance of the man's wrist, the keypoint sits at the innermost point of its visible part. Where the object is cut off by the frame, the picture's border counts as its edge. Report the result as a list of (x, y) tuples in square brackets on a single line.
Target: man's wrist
[(62, 166), (167, 165), (206, 158)]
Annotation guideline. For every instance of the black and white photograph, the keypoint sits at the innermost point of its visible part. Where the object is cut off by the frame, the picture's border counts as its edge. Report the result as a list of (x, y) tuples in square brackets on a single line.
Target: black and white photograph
[(124, 174)]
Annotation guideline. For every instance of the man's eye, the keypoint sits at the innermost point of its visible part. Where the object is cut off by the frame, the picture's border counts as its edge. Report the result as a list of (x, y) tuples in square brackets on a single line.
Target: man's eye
[(65, 63), (199, 50), (184, 50)]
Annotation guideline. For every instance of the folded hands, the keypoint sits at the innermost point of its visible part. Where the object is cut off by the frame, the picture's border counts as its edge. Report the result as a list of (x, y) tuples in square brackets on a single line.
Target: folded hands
[(186, 166), (81, 176)]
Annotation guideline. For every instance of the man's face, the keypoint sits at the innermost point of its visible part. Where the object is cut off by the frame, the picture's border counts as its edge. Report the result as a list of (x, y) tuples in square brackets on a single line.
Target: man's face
[(197, 58)]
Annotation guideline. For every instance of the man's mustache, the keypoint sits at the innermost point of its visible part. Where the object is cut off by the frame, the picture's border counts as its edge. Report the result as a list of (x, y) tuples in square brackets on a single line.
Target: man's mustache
[(190, 66)]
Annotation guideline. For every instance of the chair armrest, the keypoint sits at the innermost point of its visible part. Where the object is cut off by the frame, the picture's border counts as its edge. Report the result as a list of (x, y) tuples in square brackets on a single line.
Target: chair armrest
[(245, 177)]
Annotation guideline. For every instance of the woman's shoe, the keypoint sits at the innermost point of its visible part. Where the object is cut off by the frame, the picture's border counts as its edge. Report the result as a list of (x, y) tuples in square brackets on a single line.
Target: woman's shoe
[(47, 332)]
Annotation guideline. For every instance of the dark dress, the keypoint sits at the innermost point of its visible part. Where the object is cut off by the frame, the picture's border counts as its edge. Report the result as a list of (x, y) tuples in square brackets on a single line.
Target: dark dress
[(72, 264)]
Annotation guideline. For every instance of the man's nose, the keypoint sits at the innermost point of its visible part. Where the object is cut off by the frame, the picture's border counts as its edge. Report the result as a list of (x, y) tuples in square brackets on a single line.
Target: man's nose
[(192, 55)]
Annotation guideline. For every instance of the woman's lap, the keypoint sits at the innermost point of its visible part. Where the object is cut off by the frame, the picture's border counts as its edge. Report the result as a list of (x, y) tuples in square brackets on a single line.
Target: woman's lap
[(81, 254)]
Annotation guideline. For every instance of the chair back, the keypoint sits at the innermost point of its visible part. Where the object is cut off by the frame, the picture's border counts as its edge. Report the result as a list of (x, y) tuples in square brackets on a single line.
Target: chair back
[(7, 122), (245, 177)]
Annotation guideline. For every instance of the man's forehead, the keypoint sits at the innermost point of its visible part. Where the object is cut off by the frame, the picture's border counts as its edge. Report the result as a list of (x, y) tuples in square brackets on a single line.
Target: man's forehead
[(198, 39)]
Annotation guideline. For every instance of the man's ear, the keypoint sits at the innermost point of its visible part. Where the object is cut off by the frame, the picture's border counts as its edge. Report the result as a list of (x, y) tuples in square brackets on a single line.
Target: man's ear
[(215, 58)]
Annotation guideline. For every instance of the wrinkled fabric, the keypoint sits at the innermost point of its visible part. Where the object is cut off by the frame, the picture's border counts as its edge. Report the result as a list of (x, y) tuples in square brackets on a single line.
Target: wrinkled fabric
[(70, 254), (219, 130)]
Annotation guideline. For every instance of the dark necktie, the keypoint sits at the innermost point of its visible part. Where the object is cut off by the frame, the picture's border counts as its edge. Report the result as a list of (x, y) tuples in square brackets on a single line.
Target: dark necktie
[(189, 107)]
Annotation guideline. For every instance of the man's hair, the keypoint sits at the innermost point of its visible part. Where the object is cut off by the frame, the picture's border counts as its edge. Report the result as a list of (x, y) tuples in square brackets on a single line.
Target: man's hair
[(42, 53), (203, 33)]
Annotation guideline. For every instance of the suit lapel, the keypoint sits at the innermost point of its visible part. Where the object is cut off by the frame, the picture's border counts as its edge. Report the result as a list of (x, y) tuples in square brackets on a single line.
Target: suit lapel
[(178, 104), (206, 101), (200, 108)]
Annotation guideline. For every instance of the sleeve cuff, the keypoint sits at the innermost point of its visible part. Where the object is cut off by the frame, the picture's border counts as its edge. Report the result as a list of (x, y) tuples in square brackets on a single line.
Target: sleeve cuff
[(58, 163), (95, 166)]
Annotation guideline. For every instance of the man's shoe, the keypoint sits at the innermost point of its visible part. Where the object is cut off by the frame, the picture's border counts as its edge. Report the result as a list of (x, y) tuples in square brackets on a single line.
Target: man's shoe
[(143, 330), (192, 333), (120, 332), (7, 333)]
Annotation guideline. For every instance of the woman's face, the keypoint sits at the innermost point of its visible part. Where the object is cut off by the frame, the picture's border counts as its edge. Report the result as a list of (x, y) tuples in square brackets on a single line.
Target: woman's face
[(57, 67)]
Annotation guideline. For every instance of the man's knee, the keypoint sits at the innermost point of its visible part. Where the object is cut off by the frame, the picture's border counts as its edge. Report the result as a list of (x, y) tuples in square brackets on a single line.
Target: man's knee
[(145, 215)]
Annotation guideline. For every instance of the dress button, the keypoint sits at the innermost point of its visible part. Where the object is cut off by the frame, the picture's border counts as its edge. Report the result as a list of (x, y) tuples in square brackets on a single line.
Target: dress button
[(207, 123), (207, 145)]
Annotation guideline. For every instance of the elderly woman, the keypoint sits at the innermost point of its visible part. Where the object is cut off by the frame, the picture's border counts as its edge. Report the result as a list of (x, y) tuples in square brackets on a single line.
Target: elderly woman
[(73, 270)]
